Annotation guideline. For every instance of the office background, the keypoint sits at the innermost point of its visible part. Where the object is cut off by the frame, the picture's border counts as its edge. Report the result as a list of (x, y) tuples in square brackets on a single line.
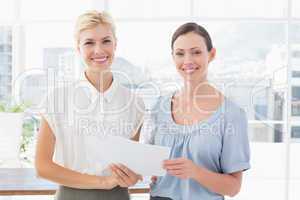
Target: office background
[(257, 64)]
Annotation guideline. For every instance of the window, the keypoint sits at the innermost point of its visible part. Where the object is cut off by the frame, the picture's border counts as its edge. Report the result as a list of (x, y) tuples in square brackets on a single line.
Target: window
[(240, 9), (144, 9), (295, 8), (53, 10), (296, 74), (6, 11), (296, 101), (296, 132), (5, 62), (295, 96)]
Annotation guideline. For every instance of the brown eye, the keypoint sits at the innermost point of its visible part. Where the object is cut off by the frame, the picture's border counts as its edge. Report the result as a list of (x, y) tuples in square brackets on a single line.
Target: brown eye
[(197, 52), (106, 41), (179, 54), (88, 43)]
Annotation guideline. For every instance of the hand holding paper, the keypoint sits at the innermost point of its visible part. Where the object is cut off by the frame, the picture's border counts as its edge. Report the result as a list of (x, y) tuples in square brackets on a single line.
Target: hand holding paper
[(125, 176), (143, 159)]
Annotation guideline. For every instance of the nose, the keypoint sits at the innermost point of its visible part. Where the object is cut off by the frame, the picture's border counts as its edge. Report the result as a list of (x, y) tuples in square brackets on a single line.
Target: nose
[(188, 59), (98, 49)]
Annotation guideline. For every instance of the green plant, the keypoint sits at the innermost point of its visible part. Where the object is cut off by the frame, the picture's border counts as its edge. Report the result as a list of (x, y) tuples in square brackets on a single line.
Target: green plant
[(29, 129), (29, 126), (13, 108)]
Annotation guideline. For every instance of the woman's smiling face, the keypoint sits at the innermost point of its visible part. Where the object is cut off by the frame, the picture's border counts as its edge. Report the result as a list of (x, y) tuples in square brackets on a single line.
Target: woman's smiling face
[(191, 56), (97, 47)]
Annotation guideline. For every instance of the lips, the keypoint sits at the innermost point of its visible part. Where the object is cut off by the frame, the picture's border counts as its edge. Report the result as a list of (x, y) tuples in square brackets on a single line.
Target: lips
[(189, 69), (100, 60)]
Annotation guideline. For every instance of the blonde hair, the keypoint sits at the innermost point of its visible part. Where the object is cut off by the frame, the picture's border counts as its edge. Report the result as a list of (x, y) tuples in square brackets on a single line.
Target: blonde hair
[(91, 19)]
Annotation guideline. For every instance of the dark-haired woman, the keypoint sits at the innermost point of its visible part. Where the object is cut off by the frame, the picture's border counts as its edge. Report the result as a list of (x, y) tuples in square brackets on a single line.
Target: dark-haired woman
[(206, 131)]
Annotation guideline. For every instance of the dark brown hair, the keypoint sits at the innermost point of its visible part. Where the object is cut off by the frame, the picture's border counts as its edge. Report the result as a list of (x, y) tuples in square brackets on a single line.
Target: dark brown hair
[(192, 27)]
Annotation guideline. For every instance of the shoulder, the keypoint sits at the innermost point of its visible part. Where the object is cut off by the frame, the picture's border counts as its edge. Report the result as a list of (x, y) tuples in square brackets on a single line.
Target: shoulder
[(162, 106), (59, 97), (234, 119), (127, 93), (130, 96), (233, 111)]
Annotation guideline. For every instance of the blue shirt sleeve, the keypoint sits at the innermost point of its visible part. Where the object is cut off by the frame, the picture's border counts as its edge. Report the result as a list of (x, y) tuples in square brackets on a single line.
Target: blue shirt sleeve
[(235, 155)]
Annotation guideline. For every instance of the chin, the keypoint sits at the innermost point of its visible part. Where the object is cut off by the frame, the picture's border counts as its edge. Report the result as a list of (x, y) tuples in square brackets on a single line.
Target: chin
[(192, 78), (99, 69)]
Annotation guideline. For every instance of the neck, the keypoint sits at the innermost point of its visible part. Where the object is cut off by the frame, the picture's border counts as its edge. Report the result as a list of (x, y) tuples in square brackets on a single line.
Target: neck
[(100, 80), (197, 89)]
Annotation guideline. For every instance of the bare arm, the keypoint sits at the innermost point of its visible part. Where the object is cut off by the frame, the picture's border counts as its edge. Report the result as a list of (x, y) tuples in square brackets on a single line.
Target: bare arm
[(47, 169), (224, 184)]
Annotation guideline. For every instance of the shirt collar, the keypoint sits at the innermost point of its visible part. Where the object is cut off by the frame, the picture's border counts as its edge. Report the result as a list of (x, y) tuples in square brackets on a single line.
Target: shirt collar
[(108, 95)]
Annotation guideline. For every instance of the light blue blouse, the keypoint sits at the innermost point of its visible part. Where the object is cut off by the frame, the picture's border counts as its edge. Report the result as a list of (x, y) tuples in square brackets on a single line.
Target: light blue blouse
[(219, 144)]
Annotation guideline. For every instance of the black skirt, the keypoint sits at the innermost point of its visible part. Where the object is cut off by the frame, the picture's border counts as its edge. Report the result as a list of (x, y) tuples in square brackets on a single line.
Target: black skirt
[(67, 193), (159, 198)]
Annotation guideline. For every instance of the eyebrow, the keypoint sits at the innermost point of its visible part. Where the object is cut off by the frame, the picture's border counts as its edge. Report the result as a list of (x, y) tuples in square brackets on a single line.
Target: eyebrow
[(189, 48), (104, 38)]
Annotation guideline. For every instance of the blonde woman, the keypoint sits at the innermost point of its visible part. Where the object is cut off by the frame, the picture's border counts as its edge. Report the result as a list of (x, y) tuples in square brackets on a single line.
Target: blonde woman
[(80, 114)]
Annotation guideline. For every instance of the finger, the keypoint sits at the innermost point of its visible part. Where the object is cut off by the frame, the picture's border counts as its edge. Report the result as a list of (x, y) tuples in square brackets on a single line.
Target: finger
[(114, 172), (171, 167), (174, 161), (112, 167), (132, 175), (121, 182), (175, 172), (120, 171), (175, 166), (183, 176), (179, 174), (119, 179), (126, 170), (121, 175)]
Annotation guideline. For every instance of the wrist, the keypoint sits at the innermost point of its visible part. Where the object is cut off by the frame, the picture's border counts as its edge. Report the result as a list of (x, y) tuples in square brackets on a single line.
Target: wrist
[(111, 182), (197, 170), (107, 182)]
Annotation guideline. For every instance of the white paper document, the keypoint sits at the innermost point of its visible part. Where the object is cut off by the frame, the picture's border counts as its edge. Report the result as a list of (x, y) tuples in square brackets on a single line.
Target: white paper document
[(143, 159)]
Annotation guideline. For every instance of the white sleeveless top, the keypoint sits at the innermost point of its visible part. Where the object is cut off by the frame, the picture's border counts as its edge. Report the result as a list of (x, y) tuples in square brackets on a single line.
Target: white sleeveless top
[(80, 117)]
